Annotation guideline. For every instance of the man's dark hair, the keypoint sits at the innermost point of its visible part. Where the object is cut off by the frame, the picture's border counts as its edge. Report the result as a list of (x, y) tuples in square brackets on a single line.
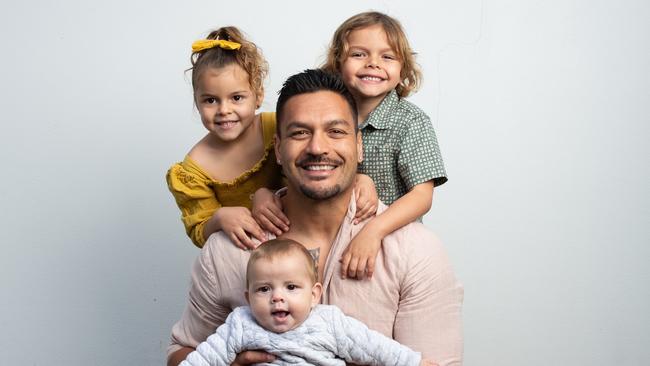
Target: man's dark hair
[(311, 81)]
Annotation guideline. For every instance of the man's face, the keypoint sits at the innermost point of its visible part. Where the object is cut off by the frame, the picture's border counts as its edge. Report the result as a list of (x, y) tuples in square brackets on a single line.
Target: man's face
[(317, 146)]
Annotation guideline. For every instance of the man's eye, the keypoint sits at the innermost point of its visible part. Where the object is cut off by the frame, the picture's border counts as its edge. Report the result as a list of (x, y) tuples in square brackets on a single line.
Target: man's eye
[(337, 132), (299, 133)]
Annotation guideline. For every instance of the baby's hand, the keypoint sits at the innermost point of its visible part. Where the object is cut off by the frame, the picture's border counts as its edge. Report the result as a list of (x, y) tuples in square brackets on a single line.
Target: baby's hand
[(426, 362), (366, 194), (267, 211), (358, 259), (237, 223)]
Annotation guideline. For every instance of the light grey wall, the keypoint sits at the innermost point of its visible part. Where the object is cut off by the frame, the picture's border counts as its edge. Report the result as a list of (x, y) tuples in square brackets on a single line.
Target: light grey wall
[(542, 110)]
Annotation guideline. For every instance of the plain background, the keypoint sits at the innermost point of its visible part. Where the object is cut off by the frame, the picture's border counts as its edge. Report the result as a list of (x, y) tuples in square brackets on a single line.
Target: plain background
[(542, 110)]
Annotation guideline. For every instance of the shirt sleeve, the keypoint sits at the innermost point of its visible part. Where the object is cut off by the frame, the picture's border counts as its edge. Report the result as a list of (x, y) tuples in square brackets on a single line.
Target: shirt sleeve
[(429, 312), (358, 344), (222, 347), (419, 159), (194, 198), (204, 311)]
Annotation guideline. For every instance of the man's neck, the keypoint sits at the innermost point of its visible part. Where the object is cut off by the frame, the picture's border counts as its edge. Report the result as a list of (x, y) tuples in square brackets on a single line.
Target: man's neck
[(315, 223)]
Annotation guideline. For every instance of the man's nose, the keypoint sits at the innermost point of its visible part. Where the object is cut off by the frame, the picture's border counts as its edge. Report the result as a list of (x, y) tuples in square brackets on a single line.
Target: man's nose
[(318, 144)]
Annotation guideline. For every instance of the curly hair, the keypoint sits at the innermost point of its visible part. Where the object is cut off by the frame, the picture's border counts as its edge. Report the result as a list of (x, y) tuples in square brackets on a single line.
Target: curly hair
[(249, 57), (410, 75)]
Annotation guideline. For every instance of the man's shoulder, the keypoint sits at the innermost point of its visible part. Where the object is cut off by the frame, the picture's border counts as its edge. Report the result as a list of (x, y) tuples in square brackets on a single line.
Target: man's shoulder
[(221, 256), (415, 242)]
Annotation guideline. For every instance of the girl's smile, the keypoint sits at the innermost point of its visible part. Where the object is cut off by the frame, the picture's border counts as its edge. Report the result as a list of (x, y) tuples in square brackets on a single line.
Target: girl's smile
[(226, 102)]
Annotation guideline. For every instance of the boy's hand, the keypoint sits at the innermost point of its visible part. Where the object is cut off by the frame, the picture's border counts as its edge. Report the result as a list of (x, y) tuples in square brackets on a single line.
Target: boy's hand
[(267, 211), (366, 198), (358, 259), (237, 223)]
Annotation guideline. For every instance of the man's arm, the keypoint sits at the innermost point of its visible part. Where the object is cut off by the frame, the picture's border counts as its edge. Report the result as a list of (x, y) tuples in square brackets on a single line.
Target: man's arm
[(178, 356), (429, 314), (205, 309)]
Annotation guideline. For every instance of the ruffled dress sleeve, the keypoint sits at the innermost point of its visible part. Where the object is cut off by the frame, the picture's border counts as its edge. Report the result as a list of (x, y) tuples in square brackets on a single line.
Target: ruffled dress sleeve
[(194, 196)]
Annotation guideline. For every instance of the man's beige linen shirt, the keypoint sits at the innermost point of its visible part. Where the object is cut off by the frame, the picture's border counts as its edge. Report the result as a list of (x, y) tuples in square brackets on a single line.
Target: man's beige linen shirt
[(413, 296)]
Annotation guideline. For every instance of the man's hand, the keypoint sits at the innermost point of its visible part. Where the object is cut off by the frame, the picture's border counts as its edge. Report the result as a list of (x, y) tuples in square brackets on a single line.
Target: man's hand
[(426, 362), (237, 223), (252, 357), (267, 211), (366, 198), (358, 259)]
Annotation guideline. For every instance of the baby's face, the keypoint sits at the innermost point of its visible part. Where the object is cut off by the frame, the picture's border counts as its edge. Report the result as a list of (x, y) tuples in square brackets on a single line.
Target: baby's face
[(281, 293)]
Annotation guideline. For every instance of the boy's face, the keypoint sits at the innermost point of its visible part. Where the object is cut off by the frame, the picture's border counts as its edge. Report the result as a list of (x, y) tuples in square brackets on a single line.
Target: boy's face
[(281, 293), (371, 68)]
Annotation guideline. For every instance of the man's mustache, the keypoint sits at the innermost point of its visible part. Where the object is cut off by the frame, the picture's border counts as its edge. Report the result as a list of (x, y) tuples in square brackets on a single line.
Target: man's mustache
[(318, 159)]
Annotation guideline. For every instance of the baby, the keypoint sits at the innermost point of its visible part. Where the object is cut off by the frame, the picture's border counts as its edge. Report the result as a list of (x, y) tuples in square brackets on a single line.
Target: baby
[(284, 319)]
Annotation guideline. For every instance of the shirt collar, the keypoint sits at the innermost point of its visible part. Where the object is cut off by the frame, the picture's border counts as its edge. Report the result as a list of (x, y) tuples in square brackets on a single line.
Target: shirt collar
[(377, 118)]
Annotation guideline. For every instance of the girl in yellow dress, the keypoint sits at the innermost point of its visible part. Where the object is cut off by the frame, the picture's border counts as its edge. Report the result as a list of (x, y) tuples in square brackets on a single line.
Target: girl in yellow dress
[(214, 184)]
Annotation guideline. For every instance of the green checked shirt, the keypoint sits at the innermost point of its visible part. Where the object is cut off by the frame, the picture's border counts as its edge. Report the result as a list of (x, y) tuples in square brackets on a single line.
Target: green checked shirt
[(400, 149)]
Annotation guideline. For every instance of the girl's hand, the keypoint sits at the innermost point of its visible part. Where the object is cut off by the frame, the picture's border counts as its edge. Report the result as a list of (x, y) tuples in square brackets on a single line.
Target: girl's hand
[(366, 194), (267, 211), (358, 259), (237, 223)]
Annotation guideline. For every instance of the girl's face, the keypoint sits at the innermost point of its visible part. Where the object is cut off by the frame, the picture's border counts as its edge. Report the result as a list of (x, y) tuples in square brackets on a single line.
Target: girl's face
[(371, 69), (226, 102)]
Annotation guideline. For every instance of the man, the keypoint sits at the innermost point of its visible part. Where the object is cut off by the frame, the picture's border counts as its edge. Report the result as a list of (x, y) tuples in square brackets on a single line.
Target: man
[(413, 295)]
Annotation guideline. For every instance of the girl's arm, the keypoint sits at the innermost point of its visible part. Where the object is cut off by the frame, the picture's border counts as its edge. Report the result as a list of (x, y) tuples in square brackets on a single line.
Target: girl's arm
[(358, 259), (237, 223), (202, 214)]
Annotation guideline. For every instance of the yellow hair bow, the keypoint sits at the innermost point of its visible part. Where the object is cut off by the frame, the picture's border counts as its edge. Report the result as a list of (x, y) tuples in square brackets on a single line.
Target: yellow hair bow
[(205, 44)]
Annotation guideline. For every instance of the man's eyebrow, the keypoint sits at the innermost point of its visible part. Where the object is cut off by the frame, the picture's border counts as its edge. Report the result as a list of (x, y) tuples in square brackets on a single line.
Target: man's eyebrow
[(336, 122), (330, 123)]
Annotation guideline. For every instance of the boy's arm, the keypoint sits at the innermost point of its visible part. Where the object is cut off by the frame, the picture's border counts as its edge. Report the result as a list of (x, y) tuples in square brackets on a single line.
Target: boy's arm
[(358, 259)]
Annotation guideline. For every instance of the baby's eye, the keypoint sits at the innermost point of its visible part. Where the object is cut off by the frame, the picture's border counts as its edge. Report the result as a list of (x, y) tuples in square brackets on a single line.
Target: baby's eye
[(292, 287), (238, 98), (390, 57), (210, 100), (263, 289), (357, 54)]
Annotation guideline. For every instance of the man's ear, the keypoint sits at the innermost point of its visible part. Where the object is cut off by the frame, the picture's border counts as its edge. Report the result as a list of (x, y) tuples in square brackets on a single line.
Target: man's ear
[(246, 296), (276, 144), (359, 147), (316, 292)]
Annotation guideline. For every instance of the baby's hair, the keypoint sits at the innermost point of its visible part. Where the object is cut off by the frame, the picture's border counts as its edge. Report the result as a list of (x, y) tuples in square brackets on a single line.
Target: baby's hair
[(410, 76), (249, 57), (280, 247)]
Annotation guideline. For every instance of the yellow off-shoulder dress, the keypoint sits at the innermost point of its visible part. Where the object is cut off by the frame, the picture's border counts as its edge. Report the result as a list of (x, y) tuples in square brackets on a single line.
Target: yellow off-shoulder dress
[(198, 196)]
